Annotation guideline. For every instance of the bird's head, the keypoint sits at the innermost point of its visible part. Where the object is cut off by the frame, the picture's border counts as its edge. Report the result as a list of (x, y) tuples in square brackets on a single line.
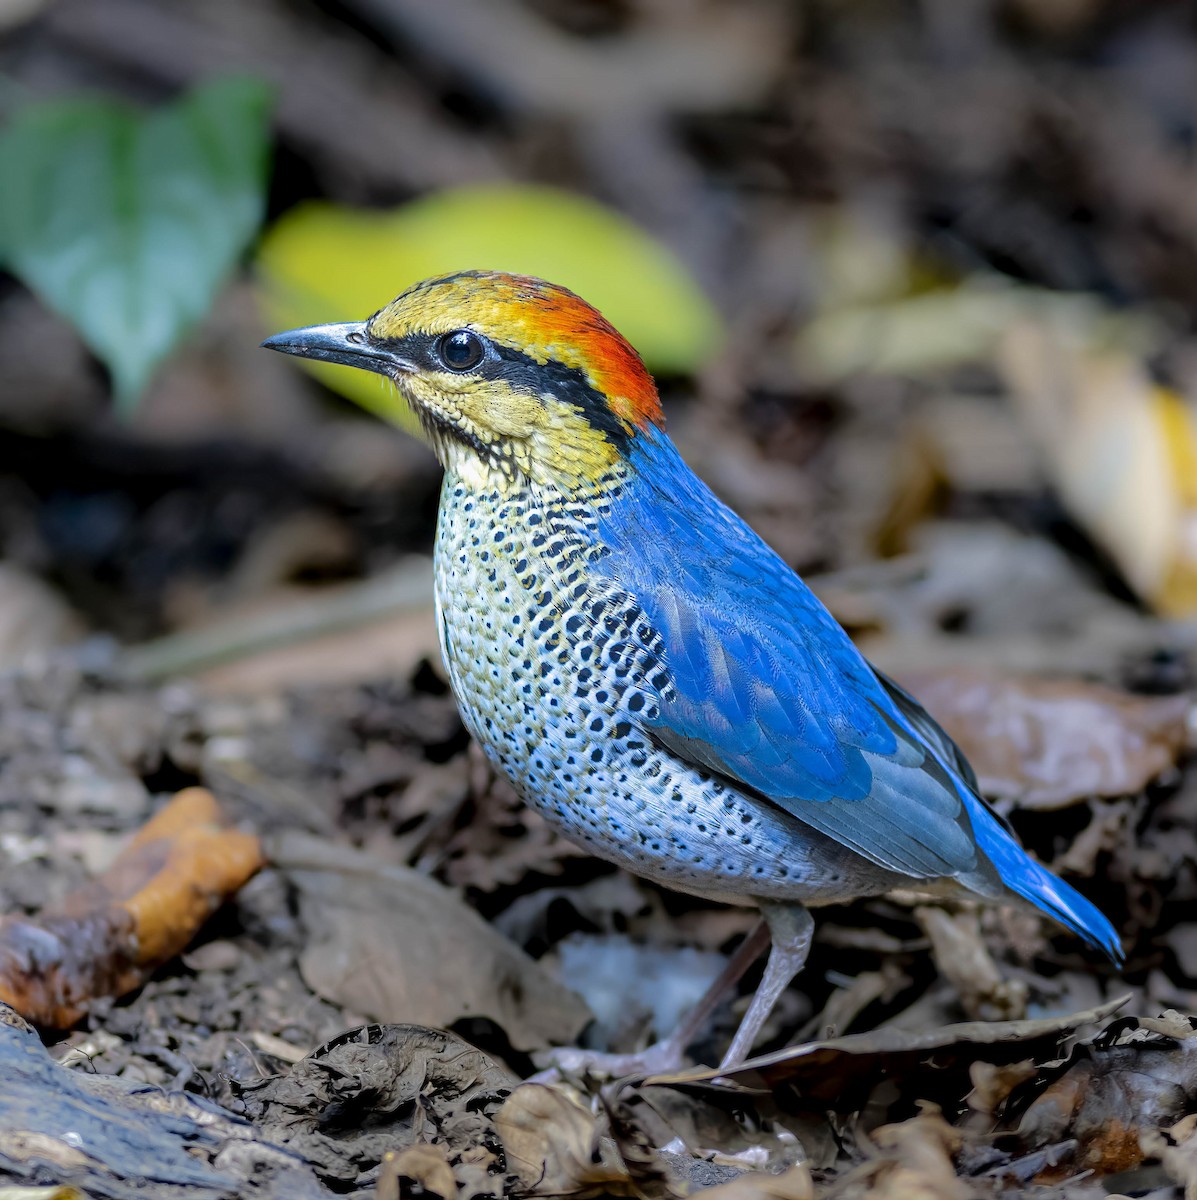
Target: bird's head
[(512, 378)]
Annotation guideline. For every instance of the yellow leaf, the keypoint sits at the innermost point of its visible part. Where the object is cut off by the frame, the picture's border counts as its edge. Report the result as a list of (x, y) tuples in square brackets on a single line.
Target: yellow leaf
[(322, 262), (1121, 451), (1178, 595)]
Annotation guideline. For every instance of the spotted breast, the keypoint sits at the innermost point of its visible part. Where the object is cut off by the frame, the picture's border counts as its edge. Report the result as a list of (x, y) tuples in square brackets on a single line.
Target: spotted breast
[(557, 672)]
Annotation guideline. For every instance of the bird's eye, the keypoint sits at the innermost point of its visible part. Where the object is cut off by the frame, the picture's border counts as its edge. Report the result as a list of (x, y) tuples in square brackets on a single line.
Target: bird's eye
[(462, 350)]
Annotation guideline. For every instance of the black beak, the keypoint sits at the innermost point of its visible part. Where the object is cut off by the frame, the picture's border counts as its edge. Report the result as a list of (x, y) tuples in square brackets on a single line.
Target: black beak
[(348, 344)]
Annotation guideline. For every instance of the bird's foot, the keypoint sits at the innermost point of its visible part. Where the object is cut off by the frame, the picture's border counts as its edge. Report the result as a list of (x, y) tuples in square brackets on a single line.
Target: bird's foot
[(657, 1059)]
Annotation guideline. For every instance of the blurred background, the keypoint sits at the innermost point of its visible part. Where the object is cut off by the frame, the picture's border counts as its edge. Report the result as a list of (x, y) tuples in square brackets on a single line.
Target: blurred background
[(918, 279)]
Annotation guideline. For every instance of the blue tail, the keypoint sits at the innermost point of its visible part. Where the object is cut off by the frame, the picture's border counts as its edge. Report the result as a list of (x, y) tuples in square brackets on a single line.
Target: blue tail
[(1022, 874), (1018, 871)]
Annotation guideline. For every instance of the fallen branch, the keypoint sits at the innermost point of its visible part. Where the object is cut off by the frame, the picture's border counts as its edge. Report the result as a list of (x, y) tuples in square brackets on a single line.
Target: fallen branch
[(404, 588)]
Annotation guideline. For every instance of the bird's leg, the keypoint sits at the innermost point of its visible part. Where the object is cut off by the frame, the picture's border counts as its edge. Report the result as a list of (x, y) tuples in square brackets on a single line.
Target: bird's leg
[(669, 1053), (747, 952), (791, 928)]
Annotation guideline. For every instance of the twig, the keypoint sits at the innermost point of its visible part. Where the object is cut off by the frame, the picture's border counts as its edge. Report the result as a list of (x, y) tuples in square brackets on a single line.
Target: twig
[(405, 587)]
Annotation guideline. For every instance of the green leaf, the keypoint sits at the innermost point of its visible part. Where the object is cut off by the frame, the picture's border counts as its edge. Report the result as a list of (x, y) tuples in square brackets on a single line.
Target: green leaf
[(322, 262), (126, 225)]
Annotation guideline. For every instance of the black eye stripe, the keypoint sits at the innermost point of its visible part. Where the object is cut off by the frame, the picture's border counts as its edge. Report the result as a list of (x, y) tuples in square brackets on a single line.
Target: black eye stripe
[(523, 372), (569, 384)]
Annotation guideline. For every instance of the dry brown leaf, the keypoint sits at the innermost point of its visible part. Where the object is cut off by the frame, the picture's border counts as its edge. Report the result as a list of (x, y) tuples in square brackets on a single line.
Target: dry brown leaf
[(396, 945), (837, 1074), (1110, 827), (920, 1151), (1111, 1091), (1121, 450), (425, 1165), (504, 841), (552, 1143), (992, 1084), (962, 958), (845, 1004), (913, 1162), (380, 1089), (110, 936), (1176, 1148), (636, 1131), (1050, 743)]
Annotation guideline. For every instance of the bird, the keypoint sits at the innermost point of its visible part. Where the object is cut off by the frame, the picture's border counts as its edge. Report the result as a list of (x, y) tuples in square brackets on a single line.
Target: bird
[(642, 667)]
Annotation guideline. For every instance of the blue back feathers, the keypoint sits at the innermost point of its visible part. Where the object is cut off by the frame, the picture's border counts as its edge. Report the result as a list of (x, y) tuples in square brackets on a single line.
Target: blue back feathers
[(769, 692)]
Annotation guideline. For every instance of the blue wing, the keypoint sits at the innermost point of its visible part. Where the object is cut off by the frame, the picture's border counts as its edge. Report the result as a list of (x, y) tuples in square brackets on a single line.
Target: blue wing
[(766, 689)]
